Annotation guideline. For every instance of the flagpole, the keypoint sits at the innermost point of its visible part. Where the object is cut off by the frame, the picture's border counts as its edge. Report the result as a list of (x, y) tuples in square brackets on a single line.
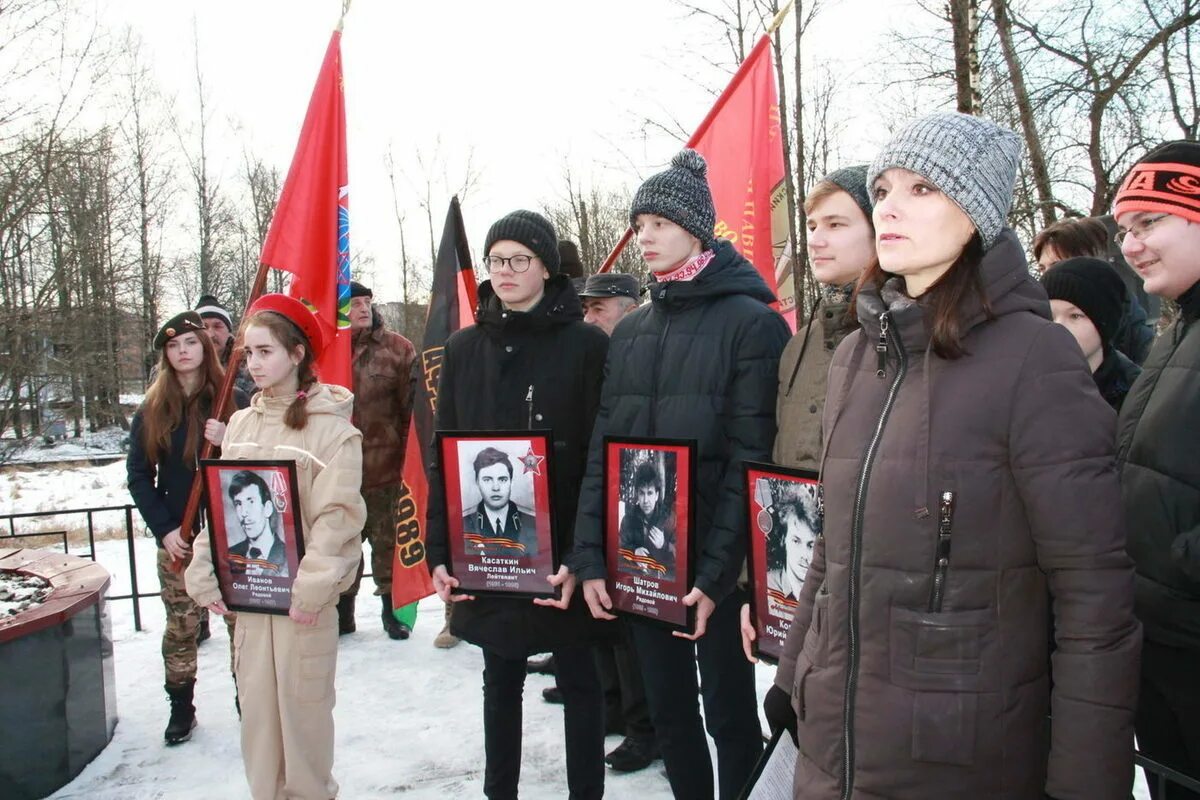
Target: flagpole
[(779, 18), (734, 82), (220, 402)]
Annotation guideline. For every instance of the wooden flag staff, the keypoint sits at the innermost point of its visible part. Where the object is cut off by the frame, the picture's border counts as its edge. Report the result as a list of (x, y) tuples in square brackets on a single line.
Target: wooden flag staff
[(221, 401)]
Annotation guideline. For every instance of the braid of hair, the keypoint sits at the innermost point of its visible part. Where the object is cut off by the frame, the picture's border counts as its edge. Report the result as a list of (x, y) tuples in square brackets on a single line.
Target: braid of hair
[(296, 416)]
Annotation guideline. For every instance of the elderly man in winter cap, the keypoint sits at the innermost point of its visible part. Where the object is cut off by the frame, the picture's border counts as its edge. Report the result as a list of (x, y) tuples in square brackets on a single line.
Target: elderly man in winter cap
[(218, 324), (608, 297), (381, 361), (1157, 211), (698, 363)]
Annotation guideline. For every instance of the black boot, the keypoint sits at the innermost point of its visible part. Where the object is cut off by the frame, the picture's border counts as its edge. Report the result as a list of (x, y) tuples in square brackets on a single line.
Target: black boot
[(395, 628), (345, 608), (183, 713)]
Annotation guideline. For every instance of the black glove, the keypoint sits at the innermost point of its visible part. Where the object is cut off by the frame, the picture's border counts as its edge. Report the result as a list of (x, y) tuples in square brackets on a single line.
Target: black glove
[(777, 705)]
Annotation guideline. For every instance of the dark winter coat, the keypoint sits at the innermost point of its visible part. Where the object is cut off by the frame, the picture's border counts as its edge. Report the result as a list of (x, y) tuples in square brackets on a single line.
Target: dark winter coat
[(486, 377), (634, 533), (242, 382), (160, 491), (382, 362), (803, 371), (699, 362), (1115, 376), (1135, 335), (922, 678), (1159, 454)]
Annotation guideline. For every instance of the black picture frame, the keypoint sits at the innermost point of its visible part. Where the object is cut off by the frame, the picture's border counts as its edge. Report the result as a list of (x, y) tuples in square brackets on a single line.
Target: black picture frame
[(768, 487), (642, 584), (241, 493), (511, 563)]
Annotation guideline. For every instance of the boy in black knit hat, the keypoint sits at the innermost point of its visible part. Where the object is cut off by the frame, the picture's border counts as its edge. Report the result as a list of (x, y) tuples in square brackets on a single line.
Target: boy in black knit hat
[(529, 361), (698, 362), (1087, 297)]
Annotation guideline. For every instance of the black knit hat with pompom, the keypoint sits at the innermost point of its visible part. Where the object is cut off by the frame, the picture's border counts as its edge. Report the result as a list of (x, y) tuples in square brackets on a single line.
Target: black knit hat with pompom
[(680, 194)]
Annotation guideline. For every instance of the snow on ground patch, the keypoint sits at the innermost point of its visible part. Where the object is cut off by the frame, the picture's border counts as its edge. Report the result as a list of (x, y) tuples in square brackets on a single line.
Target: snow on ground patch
[(111, 441), (20, 592), (29, 489), (409, 717)]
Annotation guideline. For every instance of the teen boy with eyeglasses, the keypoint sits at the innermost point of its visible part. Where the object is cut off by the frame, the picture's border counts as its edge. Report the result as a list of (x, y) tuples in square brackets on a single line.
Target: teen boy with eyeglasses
[(1157, 211)]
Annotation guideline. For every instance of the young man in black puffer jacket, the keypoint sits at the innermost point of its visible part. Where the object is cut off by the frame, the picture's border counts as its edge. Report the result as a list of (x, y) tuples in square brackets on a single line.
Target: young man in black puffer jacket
[(698, 362), (1157, 210)]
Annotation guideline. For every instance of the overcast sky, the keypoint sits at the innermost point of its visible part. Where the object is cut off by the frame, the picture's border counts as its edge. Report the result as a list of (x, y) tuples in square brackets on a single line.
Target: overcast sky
[(526, 87)]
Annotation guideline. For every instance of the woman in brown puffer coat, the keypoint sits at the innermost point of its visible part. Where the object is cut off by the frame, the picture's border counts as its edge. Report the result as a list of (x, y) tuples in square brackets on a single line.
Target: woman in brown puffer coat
[(971, 503)]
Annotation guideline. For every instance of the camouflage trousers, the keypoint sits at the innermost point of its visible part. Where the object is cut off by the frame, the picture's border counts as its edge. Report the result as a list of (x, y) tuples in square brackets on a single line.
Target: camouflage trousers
[(380, 531), (183, 623)]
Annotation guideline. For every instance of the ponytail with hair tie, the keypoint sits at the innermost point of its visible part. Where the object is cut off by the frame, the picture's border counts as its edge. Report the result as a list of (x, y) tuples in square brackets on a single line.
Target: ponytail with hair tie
[(296, 416)]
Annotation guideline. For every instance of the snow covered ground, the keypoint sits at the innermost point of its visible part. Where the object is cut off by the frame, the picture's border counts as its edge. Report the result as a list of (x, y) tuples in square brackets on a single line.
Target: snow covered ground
[(98, 444), (409, 716)]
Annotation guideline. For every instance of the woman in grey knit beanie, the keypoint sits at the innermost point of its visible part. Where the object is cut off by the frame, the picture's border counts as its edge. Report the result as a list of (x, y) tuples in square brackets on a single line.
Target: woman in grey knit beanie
[(972, 514)]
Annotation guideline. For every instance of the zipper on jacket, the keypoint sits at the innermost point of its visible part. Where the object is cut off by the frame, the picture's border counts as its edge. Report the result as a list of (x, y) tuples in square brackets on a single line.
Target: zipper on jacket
[(881, 347), (662, 339), (529, 404), (941, 561), (856, 532), (821, 508)]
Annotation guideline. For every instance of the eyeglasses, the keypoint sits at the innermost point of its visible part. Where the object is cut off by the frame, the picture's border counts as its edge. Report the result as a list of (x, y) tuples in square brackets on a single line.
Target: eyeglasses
[(517, 263), (1139, 230)]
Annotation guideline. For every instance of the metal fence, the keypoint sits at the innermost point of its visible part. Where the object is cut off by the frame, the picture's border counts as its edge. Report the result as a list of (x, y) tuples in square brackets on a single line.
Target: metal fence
[(15, 536), (1160, 777)]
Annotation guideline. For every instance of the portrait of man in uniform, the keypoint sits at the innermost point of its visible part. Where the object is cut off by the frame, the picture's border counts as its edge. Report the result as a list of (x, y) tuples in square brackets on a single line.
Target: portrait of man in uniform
[(496, 525)]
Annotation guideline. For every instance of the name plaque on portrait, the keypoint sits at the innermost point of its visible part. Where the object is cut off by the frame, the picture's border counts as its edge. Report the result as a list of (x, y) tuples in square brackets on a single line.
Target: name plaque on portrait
[(255, 530), (499, 511), (783, 516), (648, 523)]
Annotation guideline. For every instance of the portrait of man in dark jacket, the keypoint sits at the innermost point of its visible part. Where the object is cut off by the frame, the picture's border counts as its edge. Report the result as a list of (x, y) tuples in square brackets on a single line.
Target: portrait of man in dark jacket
[(648, 527), (262, 551), (496, 516)]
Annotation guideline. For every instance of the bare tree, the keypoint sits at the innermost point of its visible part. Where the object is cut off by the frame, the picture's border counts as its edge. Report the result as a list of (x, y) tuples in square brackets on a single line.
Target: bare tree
[(964, 24), (1099, 71), (152, 187), (1040, 171), (408, 278), (594, 218), (434, 185), (1179, 56), (263, 186), (212, 210)]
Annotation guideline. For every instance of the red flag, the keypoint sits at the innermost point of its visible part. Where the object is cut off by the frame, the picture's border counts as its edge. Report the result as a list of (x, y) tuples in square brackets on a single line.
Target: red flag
[(310, 232), (451, 306), (741, 141)]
